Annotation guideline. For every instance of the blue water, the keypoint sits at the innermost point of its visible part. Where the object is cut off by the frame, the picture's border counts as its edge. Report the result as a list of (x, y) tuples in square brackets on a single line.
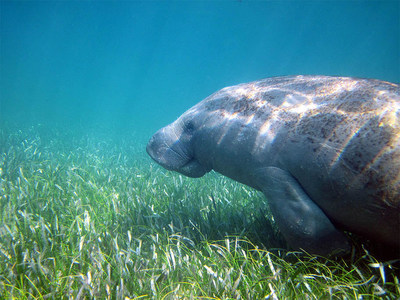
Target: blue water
[(135, 66)]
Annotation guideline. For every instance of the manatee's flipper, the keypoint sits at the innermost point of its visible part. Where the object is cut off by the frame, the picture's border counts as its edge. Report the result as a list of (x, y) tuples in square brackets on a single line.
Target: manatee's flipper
[(303, 224)]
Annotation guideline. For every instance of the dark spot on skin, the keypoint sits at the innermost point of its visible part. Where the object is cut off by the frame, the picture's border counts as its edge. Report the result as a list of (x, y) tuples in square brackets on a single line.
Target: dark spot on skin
[(320, 126), (189, 126), (245, 107)]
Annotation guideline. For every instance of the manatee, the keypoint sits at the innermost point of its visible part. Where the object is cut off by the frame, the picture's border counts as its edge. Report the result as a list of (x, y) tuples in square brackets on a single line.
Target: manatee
[(325, 151)]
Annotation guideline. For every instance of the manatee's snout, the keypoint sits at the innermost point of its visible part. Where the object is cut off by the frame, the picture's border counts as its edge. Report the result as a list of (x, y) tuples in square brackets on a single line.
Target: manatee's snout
[(174, 152), (160, 148), (154, 148)]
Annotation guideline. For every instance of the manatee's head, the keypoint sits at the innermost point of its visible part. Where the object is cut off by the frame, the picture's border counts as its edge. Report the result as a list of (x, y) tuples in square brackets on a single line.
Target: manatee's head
[(173, 147)]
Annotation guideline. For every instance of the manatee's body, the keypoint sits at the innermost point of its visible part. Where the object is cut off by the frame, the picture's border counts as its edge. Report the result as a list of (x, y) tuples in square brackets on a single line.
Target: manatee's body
[(324, 150)]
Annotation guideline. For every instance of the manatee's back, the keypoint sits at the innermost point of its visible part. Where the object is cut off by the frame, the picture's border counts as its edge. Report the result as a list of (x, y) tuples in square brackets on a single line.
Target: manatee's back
[(360, 119), (353, 127), (357, 119)]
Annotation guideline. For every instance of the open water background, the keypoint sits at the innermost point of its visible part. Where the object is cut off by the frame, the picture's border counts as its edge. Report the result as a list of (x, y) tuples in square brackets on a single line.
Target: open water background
[(131, 67)]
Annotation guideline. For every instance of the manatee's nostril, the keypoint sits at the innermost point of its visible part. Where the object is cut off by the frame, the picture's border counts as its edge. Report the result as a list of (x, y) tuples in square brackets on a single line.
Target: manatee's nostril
[(156, 144), (151, 148)]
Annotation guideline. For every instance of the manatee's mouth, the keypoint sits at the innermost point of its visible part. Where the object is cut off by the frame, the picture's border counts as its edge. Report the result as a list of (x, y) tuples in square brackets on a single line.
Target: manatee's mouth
[(167, 157), (193, 169)]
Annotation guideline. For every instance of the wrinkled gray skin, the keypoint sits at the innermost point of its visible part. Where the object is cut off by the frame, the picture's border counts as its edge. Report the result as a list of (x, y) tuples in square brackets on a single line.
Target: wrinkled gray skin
[(325, 151)]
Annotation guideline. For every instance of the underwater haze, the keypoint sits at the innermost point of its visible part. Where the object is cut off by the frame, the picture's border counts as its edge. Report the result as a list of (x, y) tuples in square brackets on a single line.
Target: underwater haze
[(86, 214), (137, 65)]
